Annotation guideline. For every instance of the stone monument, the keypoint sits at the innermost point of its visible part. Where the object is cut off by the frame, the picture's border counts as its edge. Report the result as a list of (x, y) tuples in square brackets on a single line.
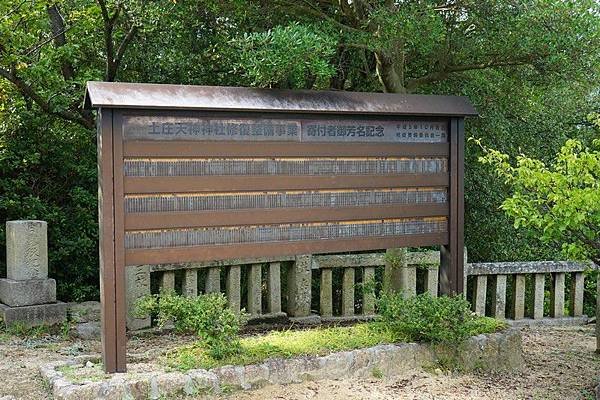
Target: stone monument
[(27, 295)]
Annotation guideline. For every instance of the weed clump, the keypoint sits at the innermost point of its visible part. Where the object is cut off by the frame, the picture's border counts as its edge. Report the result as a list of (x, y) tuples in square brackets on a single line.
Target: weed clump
[(207, 316), (424, 318)]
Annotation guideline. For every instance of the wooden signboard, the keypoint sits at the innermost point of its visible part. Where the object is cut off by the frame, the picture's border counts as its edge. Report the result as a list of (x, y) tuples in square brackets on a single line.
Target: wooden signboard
[(191, 173)]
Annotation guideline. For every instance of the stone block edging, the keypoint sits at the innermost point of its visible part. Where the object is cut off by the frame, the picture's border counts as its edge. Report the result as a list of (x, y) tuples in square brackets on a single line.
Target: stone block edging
[(548, 321), (496, 351)]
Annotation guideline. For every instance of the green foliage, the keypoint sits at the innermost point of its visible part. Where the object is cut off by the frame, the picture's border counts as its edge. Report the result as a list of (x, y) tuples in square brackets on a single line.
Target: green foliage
[(23, 331), (316, 341), (424, 318), (560, 201), (294, 56), (49, 173), (377, 373), (287, 344), (530, 67), (207, 316)]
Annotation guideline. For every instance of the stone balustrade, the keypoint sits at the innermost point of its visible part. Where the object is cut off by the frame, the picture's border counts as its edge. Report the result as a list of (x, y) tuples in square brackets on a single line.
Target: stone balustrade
[(230, 271), (302, 273), (337, 285), (400, 273), (520, 275)]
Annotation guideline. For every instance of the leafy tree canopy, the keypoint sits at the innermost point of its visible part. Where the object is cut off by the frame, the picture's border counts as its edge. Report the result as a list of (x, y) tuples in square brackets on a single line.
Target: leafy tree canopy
[(560, 201)]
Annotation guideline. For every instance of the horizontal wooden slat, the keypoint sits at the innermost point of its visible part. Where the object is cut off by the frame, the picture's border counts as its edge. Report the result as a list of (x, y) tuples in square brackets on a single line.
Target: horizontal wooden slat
[(142, 221), (272, 249), (195, 184), (271, 149)]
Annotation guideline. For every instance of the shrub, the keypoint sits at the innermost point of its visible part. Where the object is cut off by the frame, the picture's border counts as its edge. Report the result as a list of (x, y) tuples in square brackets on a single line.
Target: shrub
[(424, 318), (559, 200), (207, 316)]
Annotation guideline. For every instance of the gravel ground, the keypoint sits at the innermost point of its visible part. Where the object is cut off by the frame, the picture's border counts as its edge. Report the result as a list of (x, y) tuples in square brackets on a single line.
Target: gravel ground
[(560, 364)]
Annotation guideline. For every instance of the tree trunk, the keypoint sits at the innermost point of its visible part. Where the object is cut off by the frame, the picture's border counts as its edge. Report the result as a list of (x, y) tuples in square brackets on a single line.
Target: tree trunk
[(390, 73)]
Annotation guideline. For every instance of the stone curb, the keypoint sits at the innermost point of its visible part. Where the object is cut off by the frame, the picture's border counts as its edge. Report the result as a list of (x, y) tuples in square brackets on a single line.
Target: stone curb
[(497, 351)]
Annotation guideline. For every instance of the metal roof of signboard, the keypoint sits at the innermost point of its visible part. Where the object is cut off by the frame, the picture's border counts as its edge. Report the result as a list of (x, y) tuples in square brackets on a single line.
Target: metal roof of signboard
[(220, 98)]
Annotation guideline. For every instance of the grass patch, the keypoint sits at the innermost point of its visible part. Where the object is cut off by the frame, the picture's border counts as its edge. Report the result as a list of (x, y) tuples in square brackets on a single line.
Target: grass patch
[(79, 375), (309, 342)]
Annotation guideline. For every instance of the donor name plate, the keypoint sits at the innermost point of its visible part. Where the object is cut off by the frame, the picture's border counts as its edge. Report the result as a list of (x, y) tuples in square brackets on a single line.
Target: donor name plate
[(344, 130)]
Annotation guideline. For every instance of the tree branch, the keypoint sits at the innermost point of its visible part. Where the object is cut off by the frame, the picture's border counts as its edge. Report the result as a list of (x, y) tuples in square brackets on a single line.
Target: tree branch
[(28, 91), (357, 46), (113, 60), (15, 9), (443, 73), (108, 41), (315, 12), (44, 42), (57, 24), (123, 47)]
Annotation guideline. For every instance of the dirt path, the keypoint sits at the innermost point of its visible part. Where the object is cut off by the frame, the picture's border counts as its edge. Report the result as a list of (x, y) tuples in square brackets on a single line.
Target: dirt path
[(560, 364)]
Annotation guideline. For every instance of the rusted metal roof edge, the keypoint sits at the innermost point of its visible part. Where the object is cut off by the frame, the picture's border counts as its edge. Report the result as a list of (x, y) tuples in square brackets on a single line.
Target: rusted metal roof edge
[(224, 98)]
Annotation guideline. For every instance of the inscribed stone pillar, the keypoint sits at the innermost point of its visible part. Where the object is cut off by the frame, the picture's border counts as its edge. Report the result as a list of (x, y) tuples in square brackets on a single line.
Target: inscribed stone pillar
[(232, 287), (557, 302), (27, 296), (479, 295), (137, 279), (519, 297), (326, 295), (190, 283), (274, 288), (538, 296), (368, 295), (26, 250), (254, 290), (408, 280), (348, 292), (576, 298), (499, 297), (167, 282), (299, 286), (213, 280), (395, 262)]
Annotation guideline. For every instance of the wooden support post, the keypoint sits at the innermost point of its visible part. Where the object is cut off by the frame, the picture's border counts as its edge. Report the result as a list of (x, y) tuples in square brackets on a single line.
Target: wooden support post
[(451, 255), (274, 288), (539, 281), (557, 306), (113, 298), (576, 295), (232, 287), (368, 294), (598, 312), (479, 294), (326, 298), (519, 297), (254, 290), (499, 299), (431, 281), (213, 280), (348, 292), (190, 283), (167, 281)]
